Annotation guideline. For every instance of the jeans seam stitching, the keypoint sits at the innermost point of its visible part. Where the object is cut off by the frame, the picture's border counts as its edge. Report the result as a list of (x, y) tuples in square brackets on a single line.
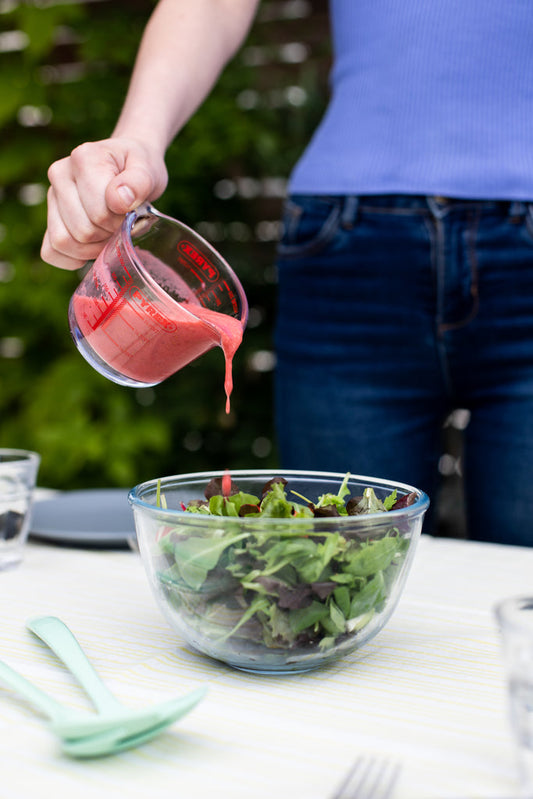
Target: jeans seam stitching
[(370, 209), (325, 236), (470, 233), (432, 225)]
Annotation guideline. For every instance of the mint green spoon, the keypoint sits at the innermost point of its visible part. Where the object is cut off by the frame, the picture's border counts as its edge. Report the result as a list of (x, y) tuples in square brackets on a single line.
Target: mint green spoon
[(81, 734), (112, 716)]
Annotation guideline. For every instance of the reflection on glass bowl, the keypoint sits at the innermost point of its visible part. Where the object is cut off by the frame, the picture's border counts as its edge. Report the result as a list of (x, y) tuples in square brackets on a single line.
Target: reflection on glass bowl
[(277, 595)]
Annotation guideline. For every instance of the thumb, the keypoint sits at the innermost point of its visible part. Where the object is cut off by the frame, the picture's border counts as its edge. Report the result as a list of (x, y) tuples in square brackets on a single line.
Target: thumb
[(129, 189), (141, 176)]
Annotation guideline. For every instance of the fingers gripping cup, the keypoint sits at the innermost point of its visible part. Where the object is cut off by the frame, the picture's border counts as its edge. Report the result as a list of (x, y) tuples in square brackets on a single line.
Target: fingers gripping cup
[(156, 298)]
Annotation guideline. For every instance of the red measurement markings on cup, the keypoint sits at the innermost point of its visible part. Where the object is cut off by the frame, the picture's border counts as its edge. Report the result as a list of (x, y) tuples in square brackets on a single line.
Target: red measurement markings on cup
[(212, 297), (109, 294), (232, 297), (208, 275), (141, 301), (198, 264)]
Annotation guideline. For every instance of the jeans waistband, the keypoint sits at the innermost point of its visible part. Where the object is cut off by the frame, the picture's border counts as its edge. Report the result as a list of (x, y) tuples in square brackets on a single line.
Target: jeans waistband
[(436, 205), (421, 201)]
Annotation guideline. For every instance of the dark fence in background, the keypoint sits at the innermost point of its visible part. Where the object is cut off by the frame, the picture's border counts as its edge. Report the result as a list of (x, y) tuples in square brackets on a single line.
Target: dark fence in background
[(64, 68)]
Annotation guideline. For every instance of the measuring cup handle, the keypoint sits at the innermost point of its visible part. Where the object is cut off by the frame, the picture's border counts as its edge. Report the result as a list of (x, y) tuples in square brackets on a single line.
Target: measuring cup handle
[(144, 209)]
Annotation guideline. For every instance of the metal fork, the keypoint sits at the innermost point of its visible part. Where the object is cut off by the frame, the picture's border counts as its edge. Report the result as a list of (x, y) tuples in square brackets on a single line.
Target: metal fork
[(369, 778)]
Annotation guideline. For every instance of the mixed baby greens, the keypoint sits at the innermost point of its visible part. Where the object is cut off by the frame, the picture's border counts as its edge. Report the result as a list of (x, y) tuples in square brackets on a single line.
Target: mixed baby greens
[(276, 585)]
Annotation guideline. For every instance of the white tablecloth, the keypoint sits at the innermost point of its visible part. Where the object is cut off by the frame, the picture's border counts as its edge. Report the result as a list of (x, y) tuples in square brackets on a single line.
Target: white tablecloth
[(429, 689)]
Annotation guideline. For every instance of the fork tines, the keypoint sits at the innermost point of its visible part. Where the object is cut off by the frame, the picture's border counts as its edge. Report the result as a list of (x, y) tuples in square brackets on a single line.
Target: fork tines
[(369, 778)]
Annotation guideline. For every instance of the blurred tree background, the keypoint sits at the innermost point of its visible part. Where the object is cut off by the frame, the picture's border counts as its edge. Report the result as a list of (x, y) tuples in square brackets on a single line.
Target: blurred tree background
[(64, 69)]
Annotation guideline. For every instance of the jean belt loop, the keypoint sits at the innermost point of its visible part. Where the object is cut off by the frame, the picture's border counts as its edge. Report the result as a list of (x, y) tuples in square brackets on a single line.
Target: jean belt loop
[(349, 211), (438, 206), (517, 211)]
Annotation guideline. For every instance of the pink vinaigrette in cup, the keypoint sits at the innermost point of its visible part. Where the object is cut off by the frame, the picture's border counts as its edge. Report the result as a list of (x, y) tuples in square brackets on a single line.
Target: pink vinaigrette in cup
[(156, 298)]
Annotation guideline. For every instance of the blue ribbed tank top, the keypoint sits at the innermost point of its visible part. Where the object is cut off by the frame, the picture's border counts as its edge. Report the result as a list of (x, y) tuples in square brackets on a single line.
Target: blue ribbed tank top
[(427, 97)]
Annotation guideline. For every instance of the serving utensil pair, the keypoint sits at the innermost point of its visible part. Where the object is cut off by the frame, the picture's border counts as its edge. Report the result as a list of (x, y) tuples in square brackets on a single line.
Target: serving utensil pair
[(114, 727)]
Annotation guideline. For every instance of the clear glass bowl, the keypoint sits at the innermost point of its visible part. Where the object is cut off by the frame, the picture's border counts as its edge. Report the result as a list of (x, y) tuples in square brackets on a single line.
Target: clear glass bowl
[(275, 595)]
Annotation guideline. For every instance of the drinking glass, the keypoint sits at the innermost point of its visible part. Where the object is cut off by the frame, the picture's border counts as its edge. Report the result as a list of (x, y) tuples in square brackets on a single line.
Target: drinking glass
[(18, 475), (515, 619)]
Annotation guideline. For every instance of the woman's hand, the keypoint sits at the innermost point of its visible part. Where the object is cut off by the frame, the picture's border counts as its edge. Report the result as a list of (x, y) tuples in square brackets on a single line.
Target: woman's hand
[(99, 182), (90, 192)]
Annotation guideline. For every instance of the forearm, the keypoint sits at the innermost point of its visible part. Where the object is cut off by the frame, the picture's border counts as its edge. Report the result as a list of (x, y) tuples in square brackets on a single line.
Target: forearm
[(184, 48)]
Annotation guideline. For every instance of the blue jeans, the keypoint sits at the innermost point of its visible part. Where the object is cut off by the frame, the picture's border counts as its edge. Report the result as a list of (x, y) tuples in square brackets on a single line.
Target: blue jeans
[(392, 312)]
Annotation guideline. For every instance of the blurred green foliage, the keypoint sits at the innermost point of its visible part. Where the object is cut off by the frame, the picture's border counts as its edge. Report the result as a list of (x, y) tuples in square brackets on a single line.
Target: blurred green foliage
[(64, 70)]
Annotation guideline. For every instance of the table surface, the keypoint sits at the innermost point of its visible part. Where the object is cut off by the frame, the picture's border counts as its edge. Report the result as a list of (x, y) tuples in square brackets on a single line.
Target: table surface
[(428, 690)]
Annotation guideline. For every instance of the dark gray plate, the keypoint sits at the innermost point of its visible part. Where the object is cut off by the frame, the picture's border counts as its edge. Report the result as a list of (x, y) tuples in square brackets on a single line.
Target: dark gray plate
[(100, 517)]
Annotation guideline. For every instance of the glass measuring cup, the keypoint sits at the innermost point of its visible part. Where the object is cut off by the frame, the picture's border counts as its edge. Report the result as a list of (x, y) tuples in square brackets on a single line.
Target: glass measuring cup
[(157, 297)]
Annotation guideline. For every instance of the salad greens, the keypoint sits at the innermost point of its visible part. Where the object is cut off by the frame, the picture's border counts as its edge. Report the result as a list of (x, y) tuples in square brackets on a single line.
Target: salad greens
[(275, 585)]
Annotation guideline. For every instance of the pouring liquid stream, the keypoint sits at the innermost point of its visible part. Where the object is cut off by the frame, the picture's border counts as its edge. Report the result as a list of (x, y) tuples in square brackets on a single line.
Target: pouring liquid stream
[(168, 334)]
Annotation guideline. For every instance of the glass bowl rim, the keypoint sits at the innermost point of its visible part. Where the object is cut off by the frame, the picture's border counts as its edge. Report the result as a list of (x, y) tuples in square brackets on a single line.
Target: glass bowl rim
[(418, 507), (18, 455)]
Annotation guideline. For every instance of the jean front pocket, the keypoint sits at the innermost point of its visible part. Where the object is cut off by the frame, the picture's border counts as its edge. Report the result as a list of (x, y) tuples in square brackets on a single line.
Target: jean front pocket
[(529, 220), (310, 223)]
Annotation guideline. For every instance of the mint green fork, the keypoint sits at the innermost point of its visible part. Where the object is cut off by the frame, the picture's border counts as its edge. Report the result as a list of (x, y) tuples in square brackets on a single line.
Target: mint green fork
[(114, 727)]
